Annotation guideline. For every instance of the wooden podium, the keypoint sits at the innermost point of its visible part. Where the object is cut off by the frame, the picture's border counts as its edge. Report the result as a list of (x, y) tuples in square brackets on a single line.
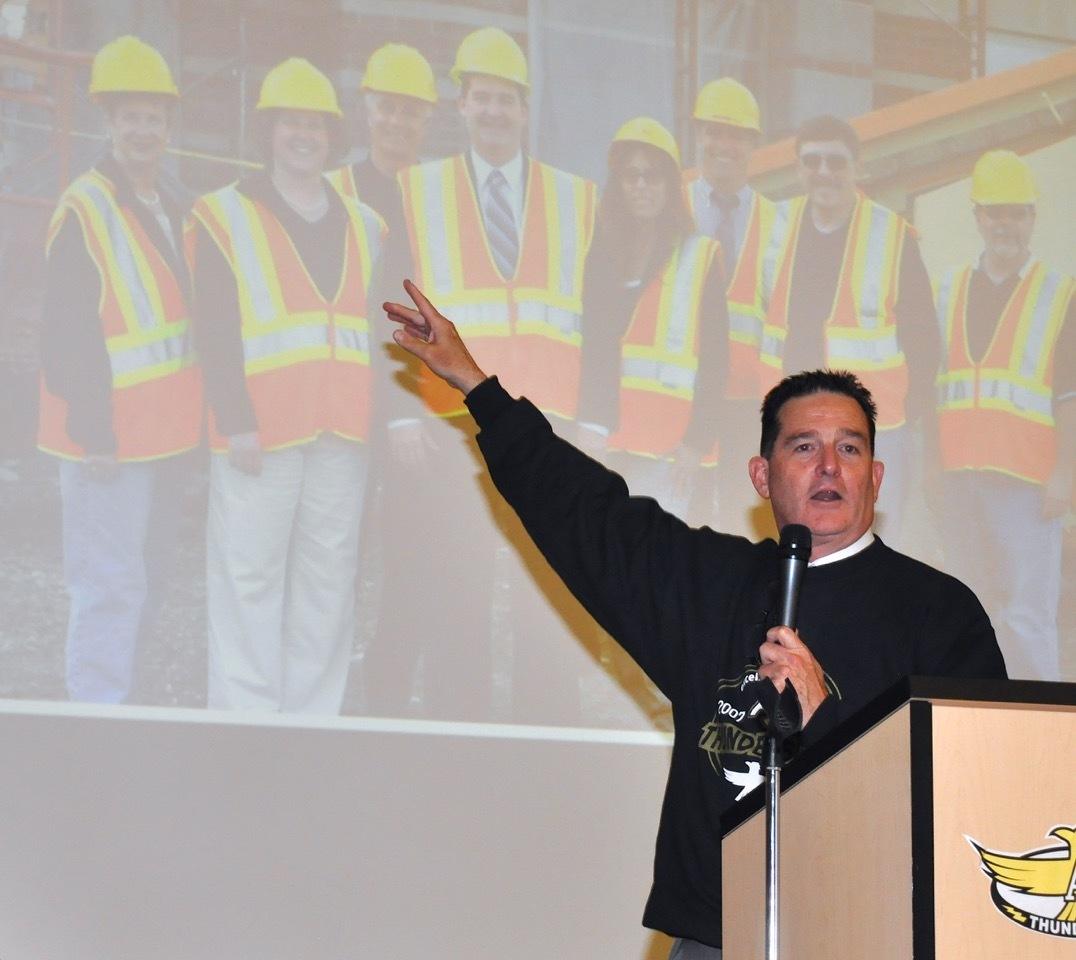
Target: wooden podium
[(937, 824)]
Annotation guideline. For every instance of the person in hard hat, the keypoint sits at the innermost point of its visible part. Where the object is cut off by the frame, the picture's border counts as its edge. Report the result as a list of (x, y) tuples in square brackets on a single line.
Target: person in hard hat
[(727, 131), (283, 269), (655, 334), (648, 403), (1007, 416), (503, 236), (121, 393), (399, 94), (850, 290)]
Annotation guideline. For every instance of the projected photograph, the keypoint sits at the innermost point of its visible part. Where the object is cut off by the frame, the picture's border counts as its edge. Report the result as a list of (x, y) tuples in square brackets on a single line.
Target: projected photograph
[(224, 486)]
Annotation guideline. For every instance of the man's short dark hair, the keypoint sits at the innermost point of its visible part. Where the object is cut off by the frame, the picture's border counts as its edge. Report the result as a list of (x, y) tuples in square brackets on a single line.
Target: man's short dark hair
[(828, 127), (804, 384)]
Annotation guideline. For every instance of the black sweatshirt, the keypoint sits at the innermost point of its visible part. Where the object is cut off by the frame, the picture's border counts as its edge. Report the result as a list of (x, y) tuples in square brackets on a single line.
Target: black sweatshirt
[(692, 606)]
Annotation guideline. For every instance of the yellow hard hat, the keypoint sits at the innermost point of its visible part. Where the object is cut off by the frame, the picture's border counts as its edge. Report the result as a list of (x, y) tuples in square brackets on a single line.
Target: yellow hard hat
[(397, 68), (1001, 176), (492, 52), (296, 84), (647, 130), (127, 65), (728, 101)]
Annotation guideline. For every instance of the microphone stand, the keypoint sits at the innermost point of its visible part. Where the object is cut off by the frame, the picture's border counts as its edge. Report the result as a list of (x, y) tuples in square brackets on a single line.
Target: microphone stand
[(785, 719)]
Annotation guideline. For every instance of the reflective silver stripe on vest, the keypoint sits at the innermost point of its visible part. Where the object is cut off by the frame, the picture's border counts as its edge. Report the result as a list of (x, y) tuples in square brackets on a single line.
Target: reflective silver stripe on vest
[(875, 267), (956, 391), (1015, 395), (476, 315), (563, 321), (128, 360), (264, 345), (248, 265), (1040, 324), (118, 239), (437, 240), (569, 215), (772, 246), (680, 306), (669, 375), (875, 351), (349, 339), (746, 323)]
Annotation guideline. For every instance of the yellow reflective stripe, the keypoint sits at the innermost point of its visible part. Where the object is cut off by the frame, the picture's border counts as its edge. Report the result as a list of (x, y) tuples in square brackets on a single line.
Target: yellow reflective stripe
[(132, 269), (484, 319), (998, 391), (864, 348), (447, 236), (260, 295), (547, 320), (745, 326), (956, 390), (1040, 324), (554, 217), (774, 241), (149, 361), (655, 376), (873, 260)]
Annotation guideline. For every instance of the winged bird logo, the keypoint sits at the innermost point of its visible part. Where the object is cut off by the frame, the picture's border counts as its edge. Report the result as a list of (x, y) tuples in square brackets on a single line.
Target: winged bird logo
[(1036, 889), (745, 781)]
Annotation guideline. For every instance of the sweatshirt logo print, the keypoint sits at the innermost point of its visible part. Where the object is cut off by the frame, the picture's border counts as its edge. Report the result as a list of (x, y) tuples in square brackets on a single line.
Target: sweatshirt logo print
[(732, 740), (1036, 889)]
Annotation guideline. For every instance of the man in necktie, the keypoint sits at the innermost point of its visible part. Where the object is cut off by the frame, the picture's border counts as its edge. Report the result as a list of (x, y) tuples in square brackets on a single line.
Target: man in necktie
[(727, 131), (502, 237)]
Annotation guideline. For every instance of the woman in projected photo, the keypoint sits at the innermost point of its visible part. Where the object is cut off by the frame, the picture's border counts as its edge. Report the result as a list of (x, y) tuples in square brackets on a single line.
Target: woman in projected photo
[(282, 271), (655, 325)]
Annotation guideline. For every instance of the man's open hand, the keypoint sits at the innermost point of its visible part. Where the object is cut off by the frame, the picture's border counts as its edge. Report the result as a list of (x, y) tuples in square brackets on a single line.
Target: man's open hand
[(434, 339), (784, 656)]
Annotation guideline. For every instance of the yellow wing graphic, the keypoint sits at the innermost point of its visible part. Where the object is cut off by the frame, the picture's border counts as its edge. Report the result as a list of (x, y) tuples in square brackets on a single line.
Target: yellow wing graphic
[(1048, 877)]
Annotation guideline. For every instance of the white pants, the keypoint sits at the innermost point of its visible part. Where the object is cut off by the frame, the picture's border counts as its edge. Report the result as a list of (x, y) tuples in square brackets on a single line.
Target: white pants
[(282, 558)]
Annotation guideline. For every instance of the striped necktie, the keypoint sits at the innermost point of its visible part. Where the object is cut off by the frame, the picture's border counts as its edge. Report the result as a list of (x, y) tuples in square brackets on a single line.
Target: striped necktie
[(500, 224)]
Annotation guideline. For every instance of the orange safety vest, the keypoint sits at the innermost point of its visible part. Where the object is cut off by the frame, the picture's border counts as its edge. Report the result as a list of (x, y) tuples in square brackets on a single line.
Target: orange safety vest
[(660, 354), (749, 285), (156, 385), (861, 333), (998, 414), (526, 328), (307, 359)]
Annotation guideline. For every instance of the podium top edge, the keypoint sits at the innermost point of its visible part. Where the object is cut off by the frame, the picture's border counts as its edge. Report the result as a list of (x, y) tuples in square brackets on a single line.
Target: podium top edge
[(940, 691)]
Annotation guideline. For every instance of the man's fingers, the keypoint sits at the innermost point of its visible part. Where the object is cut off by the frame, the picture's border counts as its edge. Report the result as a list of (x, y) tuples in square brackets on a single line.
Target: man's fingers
[(785, 637), (413, 340), (427, 309), (776, 672)]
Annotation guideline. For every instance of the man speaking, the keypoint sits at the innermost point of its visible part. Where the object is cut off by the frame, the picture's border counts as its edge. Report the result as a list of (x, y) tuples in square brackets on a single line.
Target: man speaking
[(698, 610)]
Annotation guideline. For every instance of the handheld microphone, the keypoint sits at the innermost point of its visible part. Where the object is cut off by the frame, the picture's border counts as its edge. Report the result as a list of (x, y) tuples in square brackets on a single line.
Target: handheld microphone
[(794, 552), (783, 709)]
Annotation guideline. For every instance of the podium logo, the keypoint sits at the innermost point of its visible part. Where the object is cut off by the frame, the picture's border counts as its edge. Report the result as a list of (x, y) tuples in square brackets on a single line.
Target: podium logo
[(1036, 889)]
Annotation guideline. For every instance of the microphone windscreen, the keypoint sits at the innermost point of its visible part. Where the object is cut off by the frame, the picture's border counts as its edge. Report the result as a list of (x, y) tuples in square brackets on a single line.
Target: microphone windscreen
[(795, 542)]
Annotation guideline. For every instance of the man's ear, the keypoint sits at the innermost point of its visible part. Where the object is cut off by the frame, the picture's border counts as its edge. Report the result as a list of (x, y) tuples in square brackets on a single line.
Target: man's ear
[(878, 470), (759, 470)]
